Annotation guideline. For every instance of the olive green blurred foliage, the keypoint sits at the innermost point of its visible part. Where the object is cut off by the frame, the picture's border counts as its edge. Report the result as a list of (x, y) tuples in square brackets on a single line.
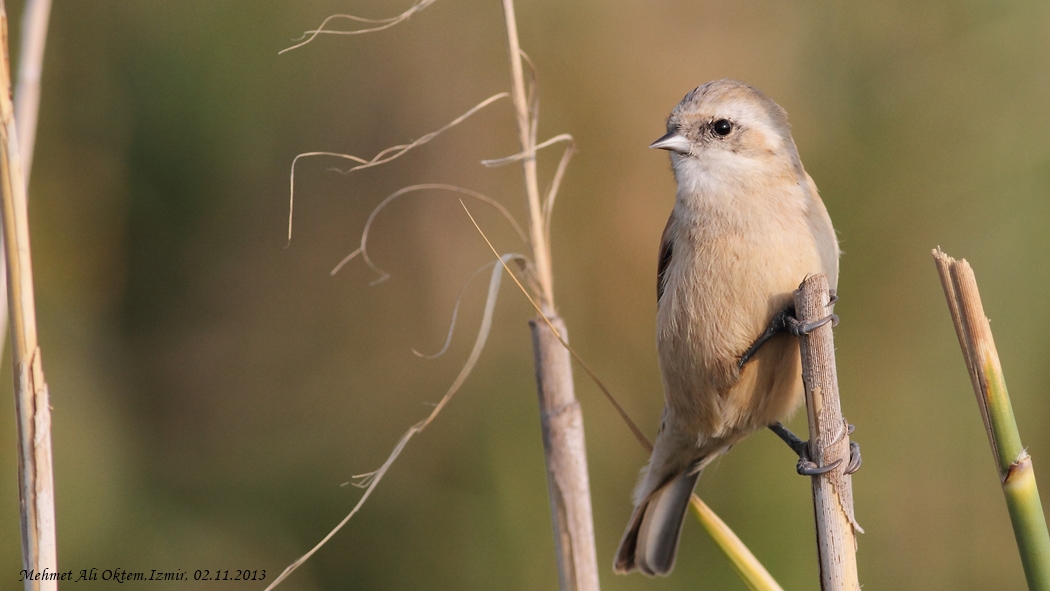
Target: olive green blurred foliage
[(212, 389)]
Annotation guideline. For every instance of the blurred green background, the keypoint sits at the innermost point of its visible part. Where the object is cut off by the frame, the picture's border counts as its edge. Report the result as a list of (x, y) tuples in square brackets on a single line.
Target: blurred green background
[(213, 389)]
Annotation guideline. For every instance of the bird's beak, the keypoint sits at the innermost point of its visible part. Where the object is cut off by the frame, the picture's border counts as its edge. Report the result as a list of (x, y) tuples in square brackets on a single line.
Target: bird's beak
[(672, 142)]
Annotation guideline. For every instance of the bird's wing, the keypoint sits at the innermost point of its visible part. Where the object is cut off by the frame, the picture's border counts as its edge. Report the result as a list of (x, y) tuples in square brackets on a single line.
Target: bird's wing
[(666, 248)]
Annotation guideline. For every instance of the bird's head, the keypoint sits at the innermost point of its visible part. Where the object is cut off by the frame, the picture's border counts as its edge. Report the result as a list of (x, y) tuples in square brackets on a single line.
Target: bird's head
[(726, 130)]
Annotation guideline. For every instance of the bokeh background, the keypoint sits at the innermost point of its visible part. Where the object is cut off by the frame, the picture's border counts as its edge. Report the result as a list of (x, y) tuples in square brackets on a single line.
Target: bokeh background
[(212, 389)]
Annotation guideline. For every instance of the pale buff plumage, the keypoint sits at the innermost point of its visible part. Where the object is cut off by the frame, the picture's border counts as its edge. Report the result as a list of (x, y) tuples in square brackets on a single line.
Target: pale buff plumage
[(747, 227)]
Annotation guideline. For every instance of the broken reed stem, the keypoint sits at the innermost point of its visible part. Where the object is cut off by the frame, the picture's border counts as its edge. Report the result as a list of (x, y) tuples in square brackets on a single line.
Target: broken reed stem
[(565, 452), (563, 442), (828, 442), (1012, 462), (35, 479)]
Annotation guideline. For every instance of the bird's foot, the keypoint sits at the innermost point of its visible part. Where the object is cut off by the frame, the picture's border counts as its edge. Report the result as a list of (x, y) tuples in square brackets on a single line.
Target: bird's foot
[(806, 466), (786, 321)]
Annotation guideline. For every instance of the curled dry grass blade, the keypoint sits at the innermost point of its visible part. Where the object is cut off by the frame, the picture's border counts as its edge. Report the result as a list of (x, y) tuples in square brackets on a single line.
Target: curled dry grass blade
[(383, 24), (363, 249), (530, 154), (371, 480), (552, 191), (382, 157), (455, 314)]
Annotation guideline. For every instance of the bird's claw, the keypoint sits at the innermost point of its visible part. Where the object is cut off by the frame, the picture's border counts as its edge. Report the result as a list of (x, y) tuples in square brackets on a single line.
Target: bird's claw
[(854, 457), (798, 329), (807, 467)]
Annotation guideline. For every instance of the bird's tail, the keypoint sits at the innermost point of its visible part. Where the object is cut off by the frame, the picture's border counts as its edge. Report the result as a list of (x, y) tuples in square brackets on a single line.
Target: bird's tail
[(651, 540)]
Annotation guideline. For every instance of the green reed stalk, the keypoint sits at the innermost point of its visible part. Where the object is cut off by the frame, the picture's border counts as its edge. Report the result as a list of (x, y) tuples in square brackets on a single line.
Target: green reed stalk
[(1012, 461)]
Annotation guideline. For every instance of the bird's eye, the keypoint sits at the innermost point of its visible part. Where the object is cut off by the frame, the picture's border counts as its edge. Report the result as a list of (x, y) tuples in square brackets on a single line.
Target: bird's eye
[(722, 127)]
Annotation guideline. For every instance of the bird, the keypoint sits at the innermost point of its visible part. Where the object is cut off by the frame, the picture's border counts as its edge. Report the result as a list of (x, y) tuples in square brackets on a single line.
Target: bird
[(747, 227)]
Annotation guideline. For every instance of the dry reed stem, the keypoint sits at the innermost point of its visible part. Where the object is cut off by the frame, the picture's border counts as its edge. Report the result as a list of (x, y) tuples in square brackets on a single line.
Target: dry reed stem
[(35, 476), (35, 16), (564, 444), (565, 452), (527, 138), (828, 442), (27, 107)]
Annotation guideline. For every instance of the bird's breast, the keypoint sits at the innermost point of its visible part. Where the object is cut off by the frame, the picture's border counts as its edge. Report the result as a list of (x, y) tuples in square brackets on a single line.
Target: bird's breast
[(734, 267)]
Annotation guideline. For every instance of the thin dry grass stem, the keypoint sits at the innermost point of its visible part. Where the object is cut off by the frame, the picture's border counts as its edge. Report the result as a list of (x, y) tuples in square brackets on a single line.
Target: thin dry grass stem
[(635, 430), (363, 249), (526, 118), (552, 191), (382, 157), (455, 314), (564, 137), (370, 480), (384, 23), (27, 107), (32, 407), (750, 570), (35, 16), (533, 97)]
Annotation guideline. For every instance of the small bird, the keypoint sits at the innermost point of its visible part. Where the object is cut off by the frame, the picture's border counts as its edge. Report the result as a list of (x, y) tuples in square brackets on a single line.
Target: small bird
[(747, 227)]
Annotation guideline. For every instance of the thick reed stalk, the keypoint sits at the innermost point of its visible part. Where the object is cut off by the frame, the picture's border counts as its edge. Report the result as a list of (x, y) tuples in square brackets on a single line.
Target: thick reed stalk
[(36, 490), (565, 451), (563, 442), (828, 442), (1012, 462)]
